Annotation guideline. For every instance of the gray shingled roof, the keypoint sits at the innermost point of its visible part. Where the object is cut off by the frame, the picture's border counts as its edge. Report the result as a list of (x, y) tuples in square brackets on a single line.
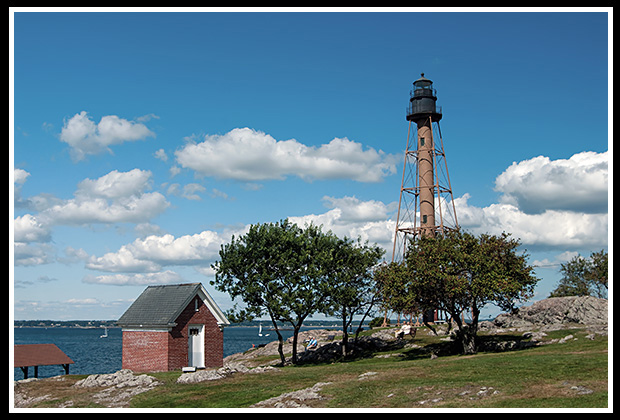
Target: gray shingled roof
[(159, 306)]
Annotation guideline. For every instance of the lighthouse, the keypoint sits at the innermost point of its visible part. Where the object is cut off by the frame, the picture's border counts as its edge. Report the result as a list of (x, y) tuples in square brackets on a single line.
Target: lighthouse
[(426, 205)]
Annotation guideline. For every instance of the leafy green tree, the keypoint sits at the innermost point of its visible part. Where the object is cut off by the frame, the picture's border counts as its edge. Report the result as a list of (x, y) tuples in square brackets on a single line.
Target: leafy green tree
[(584, 277), (351, 288), (394, 285), (598, 274), (460, 272), (277, 269), (377, 322)]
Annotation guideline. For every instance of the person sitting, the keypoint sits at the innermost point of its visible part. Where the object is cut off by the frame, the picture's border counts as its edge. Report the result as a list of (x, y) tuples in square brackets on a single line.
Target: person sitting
[(404, 330), (312, 343)]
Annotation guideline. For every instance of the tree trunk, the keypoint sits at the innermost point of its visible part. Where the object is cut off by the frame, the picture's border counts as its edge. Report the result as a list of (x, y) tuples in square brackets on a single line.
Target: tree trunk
[(359, 327), (467, 338), (467, 334), (295, 335), (345, 337), (280, 341)]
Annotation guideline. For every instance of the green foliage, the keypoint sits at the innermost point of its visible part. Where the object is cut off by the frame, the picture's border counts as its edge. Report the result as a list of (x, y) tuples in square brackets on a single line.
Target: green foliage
[(459, 272), (377, 322), (350, 286), (584, 277), (290, 273), (277, 269)]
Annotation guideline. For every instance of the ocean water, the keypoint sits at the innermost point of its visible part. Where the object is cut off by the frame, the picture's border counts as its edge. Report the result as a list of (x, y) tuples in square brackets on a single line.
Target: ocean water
[(93, 354)]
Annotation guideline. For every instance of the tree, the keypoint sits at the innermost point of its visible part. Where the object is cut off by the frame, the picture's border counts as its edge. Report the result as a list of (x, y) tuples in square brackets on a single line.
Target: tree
[(394, 285), (598, 273), (584, 277), (277, 269), (459, 272), (350, 282)]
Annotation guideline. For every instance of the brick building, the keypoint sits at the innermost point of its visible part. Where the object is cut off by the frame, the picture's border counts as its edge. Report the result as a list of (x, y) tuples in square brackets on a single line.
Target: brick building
[(173, 326)]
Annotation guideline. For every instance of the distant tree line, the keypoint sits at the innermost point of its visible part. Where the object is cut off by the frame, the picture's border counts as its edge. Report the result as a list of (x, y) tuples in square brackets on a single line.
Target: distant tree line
[(47, 323)]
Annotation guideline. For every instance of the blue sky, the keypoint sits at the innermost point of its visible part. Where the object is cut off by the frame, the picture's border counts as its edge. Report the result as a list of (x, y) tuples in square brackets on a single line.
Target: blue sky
[(143, 141)]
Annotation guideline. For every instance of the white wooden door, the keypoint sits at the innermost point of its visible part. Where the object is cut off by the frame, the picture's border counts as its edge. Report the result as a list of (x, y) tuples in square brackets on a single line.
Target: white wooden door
[(196, 345)]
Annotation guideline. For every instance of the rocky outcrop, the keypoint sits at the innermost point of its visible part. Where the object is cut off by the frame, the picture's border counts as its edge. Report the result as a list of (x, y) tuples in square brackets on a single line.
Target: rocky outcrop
[(226, 370), (120, 379), (558, 311), (295, 399), (323, 337), (119, 387)]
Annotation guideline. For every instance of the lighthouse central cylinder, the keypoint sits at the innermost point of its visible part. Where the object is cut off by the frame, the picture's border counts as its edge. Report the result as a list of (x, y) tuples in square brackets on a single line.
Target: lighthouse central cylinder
[(426, 177)]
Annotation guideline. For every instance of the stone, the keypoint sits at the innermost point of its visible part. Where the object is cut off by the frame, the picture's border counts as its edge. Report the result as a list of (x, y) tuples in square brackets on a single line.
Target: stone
[(119, 386), (223, 372), (199, 376), (295, 399), (585, 310), (120, 379), (565, 339), (581, 390), (263, 369)]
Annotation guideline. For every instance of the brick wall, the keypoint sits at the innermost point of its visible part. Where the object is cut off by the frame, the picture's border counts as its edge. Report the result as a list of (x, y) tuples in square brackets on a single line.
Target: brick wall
[(145, 351), (152, 351)]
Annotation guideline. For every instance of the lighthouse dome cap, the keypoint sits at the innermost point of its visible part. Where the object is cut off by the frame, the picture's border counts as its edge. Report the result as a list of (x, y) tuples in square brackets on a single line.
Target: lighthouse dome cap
[(422, 79)]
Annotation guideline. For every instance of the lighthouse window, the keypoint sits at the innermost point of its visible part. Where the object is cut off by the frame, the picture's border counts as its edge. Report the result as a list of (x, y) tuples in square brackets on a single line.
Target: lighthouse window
[(424, 219), (421, 141)]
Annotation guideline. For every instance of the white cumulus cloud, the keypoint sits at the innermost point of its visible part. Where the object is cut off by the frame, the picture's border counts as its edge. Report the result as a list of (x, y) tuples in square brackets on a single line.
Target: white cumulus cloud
[(116, 197), (352, 217), (28, 229), (19, 175), (113, 198), (137, 279), (153, 252), (248, 155), (557, 203), (115, 184), (556, 228), (576, 184), (85, 137)]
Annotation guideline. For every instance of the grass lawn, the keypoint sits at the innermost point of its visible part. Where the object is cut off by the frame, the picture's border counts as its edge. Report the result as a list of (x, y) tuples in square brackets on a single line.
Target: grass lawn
[(573, 374)]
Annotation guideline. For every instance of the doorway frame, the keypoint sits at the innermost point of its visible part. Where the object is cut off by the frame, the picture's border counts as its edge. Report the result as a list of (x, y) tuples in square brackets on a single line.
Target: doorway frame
[(201, 341)]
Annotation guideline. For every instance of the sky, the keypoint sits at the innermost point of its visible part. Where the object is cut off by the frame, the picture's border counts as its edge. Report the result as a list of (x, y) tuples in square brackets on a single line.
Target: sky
[(142, 141)]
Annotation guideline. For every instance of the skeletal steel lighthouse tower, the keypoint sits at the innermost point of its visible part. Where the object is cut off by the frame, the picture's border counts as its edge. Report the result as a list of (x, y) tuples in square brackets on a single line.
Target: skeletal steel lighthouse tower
[(426, 205)]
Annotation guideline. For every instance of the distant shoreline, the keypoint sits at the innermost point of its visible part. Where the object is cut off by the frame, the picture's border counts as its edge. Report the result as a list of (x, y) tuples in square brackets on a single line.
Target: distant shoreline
[(55, 324), (99, 324)]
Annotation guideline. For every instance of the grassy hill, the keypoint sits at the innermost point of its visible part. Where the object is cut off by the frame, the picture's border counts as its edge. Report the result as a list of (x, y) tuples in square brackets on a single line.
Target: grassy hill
[(559, 375)]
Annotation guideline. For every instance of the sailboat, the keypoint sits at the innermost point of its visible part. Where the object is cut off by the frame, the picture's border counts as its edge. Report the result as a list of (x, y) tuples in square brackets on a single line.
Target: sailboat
[(104, 335), (260, 331)]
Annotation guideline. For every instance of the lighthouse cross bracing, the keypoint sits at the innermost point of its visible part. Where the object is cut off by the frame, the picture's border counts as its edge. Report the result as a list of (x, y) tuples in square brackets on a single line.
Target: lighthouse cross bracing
[(426, 205)]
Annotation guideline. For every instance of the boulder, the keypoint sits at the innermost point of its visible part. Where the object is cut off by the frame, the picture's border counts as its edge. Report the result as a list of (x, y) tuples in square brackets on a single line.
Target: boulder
[(295, 399), (215, 374), (118, 387), (584, 310), (120, 379), (323, 337)]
